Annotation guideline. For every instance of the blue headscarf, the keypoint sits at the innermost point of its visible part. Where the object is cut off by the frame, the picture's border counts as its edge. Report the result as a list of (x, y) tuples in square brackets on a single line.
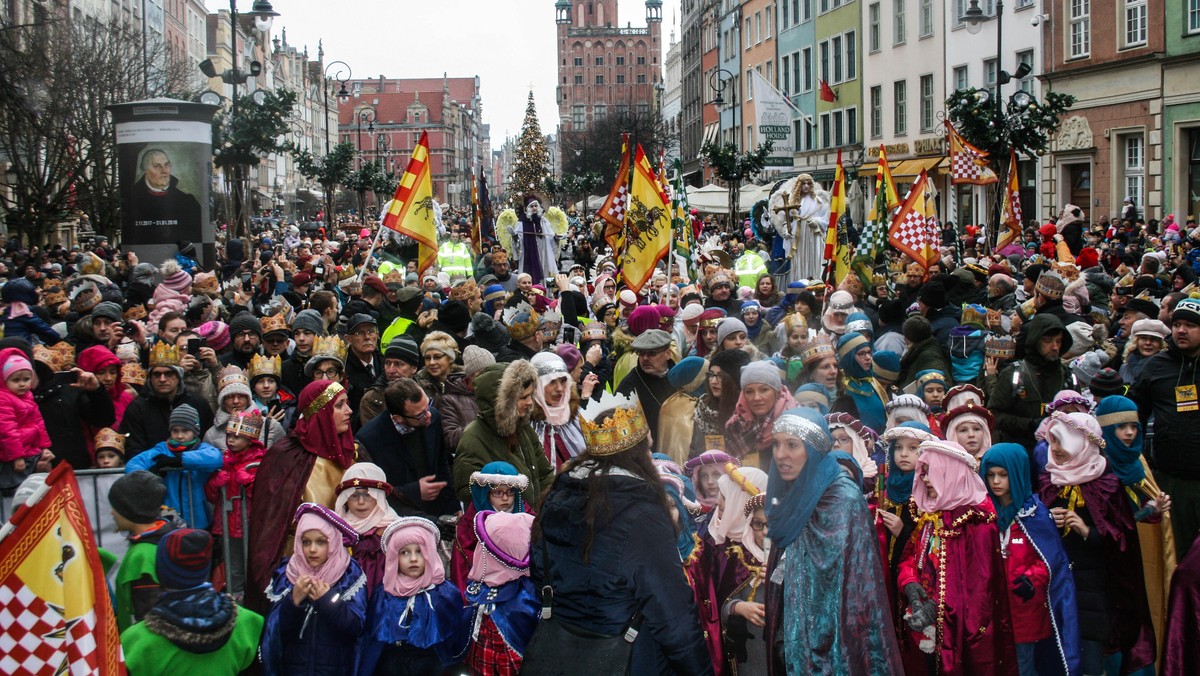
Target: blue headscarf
[(900, 483), (859, 385), (790, 504), (1013, 459), (752, 331), (479, 494), (1125, 459), (818, 389), (685, 542)]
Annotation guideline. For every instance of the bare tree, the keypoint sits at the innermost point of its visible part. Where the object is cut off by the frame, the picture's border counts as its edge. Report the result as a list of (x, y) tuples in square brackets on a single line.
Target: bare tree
[(57, 78)]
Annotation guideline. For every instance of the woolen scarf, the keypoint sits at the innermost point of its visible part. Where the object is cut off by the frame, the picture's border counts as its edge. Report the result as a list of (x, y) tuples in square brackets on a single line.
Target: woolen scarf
[(339, 556)]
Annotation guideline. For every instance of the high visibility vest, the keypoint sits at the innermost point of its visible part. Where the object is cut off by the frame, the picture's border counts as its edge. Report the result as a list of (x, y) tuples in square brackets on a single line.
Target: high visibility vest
[(455, 259), (748, 267), (397, 328)]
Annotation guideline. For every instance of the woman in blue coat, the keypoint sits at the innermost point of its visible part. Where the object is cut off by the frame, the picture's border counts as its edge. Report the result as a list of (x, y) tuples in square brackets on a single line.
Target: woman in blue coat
[(318, 600)]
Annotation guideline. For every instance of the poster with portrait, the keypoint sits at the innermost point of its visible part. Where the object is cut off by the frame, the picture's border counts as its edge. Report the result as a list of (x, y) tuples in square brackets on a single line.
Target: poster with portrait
[(164, 171)]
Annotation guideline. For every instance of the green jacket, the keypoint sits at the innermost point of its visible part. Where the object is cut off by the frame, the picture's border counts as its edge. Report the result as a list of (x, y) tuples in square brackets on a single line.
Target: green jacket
[(136, 583), (498, 433), (148, 653)]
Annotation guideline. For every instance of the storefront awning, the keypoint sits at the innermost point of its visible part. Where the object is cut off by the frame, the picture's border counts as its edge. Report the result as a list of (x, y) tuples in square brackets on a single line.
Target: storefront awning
[(711, 132), (909, 168)]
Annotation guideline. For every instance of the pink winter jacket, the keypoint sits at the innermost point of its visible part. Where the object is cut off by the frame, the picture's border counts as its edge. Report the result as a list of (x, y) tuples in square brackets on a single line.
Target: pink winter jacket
[(22, 430)]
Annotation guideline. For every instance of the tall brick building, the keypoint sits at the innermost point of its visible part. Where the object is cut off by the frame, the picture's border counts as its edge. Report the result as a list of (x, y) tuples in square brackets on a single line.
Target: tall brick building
[(604, 69)]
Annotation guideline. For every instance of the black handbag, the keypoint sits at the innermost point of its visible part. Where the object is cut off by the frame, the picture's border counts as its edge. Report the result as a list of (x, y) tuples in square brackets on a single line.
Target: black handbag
[(559, 648)]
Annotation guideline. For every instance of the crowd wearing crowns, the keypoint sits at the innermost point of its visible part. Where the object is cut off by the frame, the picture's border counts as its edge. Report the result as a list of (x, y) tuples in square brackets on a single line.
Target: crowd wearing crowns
[(1001, 438)]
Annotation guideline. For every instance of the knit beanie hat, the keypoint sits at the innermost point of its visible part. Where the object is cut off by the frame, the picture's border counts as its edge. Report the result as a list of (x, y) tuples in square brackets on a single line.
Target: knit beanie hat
[(917, 329), (232, 380), (440, 341), (1088, 365), (565, 351), (728, 327), (185, 415), (309, 320), (14, 363), (245, 322), (175, 278), (455, 315), (933, 294), (1051, 285), (404, 348), (642, 319), (184, 559), (731, 362), (762, 372), (138, 496), (215, 333), (489, 333), (887, 365), (108, 310), (1188, 310), (1107, 381), (476, 359)]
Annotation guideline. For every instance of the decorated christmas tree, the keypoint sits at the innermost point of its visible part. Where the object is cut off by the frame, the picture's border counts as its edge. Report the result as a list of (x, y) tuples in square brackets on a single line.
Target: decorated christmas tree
[(533, 160)]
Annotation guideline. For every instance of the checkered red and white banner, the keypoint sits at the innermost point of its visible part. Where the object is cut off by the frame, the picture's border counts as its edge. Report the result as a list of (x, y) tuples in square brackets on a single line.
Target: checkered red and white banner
[(968, 164)]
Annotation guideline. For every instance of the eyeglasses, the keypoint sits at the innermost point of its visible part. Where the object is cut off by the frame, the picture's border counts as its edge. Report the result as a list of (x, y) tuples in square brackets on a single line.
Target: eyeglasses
[(423, 415), (245, 334), (714, 376), (361, 495), (502, 492), (757, 524), (364, 333), (327, 373)]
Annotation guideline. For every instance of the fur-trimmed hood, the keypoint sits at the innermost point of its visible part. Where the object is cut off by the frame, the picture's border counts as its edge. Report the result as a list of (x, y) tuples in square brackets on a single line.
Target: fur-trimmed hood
[(197, 620), (498, 389)]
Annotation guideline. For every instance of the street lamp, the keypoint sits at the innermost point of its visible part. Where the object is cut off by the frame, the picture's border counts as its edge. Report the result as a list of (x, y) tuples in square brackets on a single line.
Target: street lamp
[(342, 95), (718, 85), (367, 115)]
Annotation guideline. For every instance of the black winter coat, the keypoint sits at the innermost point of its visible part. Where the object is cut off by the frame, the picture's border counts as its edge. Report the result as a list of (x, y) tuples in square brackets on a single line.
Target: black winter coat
[(633, 563), (395, 456), (1173, 449)]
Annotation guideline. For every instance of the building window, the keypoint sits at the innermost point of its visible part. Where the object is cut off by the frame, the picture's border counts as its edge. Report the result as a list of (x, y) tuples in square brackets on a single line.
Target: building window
[(926, 103), (783, 15), (852, 126), (643, 109), (767, 33), (1080, 31), (620, 61), (620, 78), (898, 22), (578, 79), (641, 61), (577, 116), (851, 55), (599, 79), (900, 107), (839, 130), (876, 111), (579, 61), (960, 78), (758, 28), (1135, 23), (824, 46), (1193, 16), (786, 73), (1026, 83), (805, 11), (641, 78), (826, 137), (599, 112), (1135, 166), (806, 69), (873, 26), (989, 73), (748, 34), (926, 18), (835, 45)]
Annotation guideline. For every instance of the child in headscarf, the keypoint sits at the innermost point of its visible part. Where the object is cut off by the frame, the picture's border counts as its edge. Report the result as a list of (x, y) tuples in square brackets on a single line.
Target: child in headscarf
[(1041, 590), (362, 502), (1118, 418), (734, 563), (930, 386), (793, 333), (1067, 401), (1096, 522), (862, 396), (416, 625), (743, 611), (503, 604), (860, 442), (705, 471), (970, 426), (905, 408), (695, 561), (952, 574), (894, 520), (318, 599), (497, 486)]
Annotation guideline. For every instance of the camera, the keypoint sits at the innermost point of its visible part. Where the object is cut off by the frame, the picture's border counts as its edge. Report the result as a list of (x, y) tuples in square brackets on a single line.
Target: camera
[(319, 271)]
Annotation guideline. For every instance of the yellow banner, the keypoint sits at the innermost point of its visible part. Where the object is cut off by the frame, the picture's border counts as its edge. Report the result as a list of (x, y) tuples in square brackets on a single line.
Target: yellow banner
[(648, 224)]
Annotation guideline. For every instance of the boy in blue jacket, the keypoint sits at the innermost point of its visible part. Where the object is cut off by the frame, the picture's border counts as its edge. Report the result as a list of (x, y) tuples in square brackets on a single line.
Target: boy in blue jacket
[(193, 460)]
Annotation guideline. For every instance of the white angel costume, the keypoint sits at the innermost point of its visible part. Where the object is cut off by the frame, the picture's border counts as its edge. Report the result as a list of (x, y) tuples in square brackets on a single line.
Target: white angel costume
[(802, 221), (532, 238)]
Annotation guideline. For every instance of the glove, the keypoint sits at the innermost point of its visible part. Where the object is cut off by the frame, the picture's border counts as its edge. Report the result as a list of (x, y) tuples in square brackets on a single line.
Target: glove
[(1023, 587), (921, 611), (170, 461)]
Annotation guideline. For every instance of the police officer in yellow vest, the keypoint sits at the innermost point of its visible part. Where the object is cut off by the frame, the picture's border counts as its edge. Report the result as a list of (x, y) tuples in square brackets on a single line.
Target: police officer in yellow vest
[(454, 256), (748, 267)]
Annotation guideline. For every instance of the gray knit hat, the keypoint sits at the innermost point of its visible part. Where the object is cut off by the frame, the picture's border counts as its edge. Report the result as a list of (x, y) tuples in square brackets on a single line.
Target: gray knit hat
[(309, 320), (728, 327), (185, 415), (404, 348), (245, 322), (108, 310), (476, 359), (138, 496), (764, 372)]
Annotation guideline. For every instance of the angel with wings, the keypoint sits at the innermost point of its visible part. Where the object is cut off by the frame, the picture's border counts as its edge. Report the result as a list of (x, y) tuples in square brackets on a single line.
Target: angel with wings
[(532, 237), (800, 213)]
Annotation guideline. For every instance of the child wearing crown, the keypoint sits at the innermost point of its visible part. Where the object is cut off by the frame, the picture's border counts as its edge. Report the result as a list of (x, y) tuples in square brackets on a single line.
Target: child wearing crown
[(269, 396), (242, 454)]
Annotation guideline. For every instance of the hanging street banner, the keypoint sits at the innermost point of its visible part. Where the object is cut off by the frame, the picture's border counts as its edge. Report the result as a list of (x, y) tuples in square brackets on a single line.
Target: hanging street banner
[(773, 120)]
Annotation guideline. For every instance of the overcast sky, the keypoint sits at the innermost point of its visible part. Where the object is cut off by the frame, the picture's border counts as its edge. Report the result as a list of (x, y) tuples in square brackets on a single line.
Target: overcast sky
[(509, 44)]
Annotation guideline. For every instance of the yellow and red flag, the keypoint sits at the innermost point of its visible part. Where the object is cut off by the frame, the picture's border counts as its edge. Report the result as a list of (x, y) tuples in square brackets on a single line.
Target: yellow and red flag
[(911, 232), (410, 212), (649, 224), (1010, 212), (612, 212), (884, 176), (52, 588), (837, 243), (968, 164)]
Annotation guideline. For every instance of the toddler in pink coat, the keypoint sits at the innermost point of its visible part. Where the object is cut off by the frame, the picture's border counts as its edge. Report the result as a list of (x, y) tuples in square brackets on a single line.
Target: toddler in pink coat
[(23, 435)]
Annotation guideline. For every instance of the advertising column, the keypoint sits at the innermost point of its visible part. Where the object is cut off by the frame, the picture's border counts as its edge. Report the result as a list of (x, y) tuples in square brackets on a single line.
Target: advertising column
[(164, 170)]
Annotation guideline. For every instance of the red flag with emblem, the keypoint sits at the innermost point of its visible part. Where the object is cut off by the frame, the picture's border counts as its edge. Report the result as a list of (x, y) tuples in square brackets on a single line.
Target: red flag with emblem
[(1010, 213)]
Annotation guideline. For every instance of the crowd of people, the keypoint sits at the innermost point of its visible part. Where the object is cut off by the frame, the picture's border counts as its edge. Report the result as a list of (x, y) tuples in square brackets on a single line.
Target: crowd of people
[(335, 463)]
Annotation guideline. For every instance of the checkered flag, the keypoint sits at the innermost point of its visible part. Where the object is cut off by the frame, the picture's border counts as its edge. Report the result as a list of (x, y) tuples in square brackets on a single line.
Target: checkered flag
[(616, 205), (910, 232), (968, 164)]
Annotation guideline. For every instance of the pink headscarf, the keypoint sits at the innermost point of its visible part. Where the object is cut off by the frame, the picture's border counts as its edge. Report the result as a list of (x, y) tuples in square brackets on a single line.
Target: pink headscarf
[(550, 367), (732, 520), (954, 475), (403, 532), (503, 552), (382, 515), (339, 557), (952, 429), (1080, 436)]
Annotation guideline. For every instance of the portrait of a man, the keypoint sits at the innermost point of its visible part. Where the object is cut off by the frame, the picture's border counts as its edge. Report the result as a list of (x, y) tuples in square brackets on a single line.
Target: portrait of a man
[(155, 199)]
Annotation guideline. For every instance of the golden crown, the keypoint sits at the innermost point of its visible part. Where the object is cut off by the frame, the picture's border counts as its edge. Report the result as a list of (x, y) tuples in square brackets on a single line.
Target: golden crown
[(816, 348), (163, 354), (54, 296), (520, 330), (464, 291), (61, 357), (346, 272), (231, 375), (330, 347), (272, 323), (135, 312), (107, 437), (393, 277), (246, 424), (261, 365), (133, 374), (622, 430)]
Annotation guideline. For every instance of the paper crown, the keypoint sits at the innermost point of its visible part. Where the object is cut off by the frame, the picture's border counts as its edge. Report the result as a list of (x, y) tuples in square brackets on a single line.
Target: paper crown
[(133, 374), (61, 357), (622, 430), (816, 349), (231, 375), (464, 291), (107, 437), (329, 347), (974, 315), (163, 354), (273, 323), (1000, 347), (261, 365), (246, 423), (594, 331), (54, 296), (135, 312), (346, 272), (521, 321), (393, 277)]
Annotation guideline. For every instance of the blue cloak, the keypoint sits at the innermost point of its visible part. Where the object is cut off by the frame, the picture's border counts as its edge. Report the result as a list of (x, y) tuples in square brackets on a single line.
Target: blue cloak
[(1059, 654), (315, 638), (513, 606), (437, 622)]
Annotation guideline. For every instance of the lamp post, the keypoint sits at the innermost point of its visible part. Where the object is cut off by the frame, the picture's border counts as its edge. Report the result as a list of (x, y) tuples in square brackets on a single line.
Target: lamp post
[(718, 85), (366, 114), (342, 94)]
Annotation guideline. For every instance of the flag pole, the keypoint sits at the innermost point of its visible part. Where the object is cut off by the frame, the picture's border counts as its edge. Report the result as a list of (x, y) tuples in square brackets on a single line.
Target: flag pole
[(374, 243)]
